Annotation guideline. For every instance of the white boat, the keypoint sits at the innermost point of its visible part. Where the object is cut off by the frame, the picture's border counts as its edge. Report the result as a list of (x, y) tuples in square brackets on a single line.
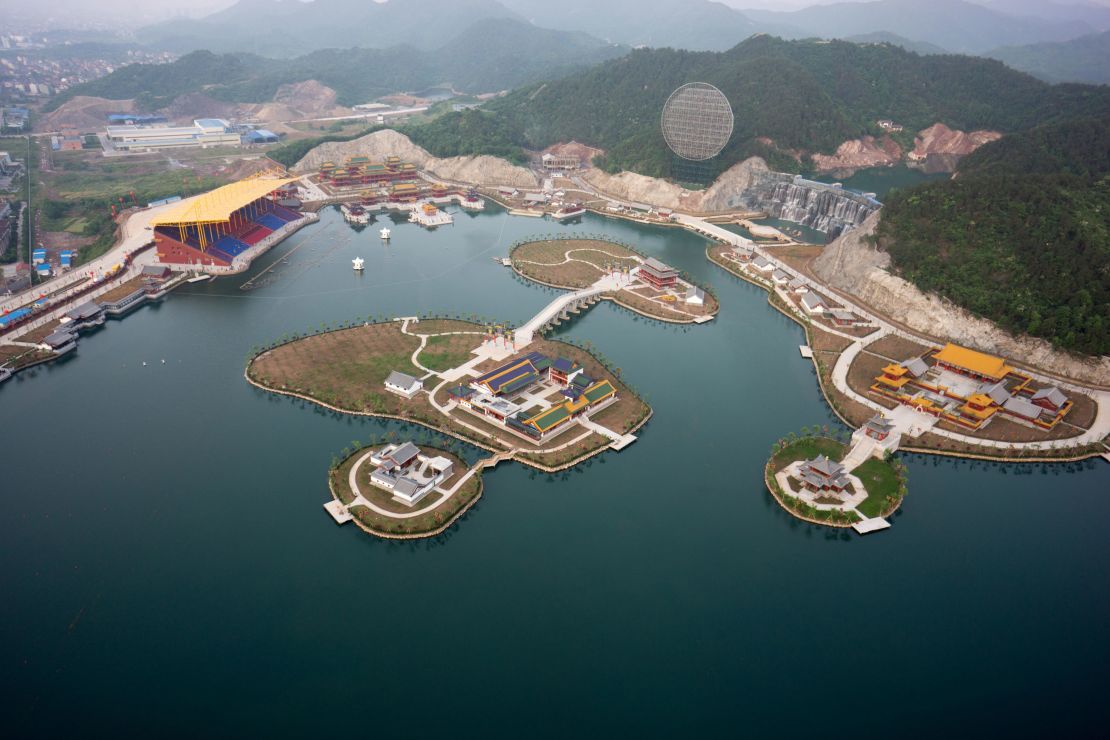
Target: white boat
[(357, 263), (200, 278), (385, 234)]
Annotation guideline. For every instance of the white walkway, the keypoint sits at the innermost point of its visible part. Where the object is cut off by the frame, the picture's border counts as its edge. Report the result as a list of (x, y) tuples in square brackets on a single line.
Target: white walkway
[(524, 335)]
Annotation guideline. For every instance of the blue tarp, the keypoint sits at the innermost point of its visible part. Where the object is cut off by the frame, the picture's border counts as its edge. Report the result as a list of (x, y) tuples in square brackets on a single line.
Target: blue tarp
[(15, 315)]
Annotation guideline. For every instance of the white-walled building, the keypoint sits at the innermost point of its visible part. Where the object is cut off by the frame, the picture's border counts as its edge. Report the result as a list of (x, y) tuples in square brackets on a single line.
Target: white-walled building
[(407, 473), (403, 385)]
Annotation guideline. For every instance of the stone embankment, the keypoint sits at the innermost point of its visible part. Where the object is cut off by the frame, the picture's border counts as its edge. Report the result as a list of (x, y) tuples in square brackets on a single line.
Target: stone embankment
[(482, 170), (853, 265)]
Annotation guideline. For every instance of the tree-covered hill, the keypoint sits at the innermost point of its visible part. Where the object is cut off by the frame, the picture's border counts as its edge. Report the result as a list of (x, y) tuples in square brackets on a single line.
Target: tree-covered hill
[(807, 96), (1085, 59), (1020, 236), (488, 56), (276, 28)]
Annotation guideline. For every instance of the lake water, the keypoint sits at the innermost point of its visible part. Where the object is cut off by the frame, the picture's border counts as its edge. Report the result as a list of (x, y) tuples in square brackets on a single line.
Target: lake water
[(881, 180), (167, 568)]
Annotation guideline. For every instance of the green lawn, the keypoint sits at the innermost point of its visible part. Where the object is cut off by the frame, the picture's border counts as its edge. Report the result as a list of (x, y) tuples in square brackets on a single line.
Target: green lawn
[(807, 448), (448, 354), (881, 480)]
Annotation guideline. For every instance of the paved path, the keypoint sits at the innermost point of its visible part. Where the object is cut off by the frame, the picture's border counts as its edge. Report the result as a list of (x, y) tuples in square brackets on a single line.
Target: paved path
[(134, 234), (352, 479), (1099, 429)]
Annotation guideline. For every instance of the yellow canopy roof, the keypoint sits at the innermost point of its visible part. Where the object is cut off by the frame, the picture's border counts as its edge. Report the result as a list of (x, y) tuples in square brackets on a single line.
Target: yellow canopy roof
[(216, 206), (979, 363)]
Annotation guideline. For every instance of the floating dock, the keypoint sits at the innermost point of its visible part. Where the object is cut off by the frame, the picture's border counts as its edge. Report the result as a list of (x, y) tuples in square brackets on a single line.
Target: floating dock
[(867, 526), (338, 512)]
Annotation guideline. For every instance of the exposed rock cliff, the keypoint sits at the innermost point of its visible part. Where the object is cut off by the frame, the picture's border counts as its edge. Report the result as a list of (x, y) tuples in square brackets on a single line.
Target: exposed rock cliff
[(938, 148), (858, 154), (630, 186), (853, 265), (748, 186), (482, 170)]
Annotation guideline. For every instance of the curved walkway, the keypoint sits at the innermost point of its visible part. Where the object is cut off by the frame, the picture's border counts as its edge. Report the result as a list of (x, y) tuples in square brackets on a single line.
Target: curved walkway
[(1098, 430)]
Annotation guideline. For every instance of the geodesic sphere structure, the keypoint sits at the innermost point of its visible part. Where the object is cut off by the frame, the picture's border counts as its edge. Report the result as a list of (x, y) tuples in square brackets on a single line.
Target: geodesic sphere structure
[(697, 121)]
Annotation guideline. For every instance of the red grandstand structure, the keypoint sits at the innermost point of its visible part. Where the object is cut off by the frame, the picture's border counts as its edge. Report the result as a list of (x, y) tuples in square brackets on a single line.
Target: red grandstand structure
[(214, 228)]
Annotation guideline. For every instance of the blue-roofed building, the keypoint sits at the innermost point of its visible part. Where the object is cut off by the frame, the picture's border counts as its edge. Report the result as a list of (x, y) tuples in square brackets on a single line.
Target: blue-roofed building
[(43, 270), (514, 375), (66, 258), (260, 136), (38, 256)]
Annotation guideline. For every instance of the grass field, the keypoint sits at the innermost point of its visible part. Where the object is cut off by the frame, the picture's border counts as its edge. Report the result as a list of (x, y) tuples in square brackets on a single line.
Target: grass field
[(881, 481), (347, 368), (807, 448), (446, 351), (578, 263)]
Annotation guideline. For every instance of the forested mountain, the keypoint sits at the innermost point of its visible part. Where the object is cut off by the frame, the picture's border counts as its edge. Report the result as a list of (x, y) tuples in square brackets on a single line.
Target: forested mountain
[(486, 56), (886, 37), (1085, 59), (951, 24), (683, 24), (802, 95), (285, 28), (1021, 236)]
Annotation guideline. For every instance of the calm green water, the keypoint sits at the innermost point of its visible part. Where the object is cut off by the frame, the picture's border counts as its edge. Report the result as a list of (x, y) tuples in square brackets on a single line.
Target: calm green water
[(881, 180), (167, 568)]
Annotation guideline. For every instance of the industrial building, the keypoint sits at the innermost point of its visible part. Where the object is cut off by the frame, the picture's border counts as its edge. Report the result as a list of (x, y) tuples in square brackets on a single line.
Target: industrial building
[(204, 132)]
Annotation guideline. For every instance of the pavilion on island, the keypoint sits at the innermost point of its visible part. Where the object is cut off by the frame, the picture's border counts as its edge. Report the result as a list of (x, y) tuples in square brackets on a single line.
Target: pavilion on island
[(823, 474), (657, 274)]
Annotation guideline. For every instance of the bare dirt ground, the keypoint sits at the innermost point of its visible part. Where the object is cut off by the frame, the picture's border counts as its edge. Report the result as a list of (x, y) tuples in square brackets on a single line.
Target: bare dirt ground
[(896, 348)]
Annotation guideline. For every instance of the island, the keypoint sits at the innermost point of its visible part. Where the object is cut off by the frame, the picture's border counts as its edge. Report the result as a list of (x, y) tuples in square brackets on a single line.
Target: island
[(899, 390), (512, 393), (613, 271)]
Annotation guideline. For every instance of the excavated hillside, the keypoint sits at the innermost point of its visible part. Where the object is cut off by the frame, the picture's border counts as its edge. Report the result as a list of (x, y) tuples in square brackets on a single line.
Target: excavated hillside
[(630, 186), (852, 264), (479, 170), (84, 113)]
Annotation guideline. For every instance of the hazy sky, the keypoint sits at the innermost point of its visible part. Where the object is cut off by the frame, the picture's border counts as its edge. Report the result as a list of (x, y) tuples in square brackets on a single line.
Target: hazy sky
[(134, 13)]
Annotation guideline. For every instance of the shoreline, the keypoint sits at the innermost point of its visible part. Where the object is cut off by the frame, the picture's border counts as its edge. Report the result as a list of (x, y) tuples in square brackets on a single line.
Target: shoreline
[(613, 297), (1075, 457), (475, 470), (512, 453)]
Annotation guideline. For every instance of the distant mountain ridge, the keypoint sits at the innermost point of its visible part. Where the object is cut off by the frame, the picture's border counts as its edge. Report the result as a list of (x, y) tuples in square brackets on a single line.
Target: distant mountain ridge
[(486, 56), (955, 25), (1085, 59), (287, 28)]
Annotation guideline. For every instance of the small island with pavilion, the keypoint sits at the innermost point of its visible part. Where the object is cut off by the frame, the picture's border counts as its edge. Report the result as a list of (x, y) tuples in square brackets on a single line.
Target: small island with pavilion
[(613, 271), (510, 393)]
